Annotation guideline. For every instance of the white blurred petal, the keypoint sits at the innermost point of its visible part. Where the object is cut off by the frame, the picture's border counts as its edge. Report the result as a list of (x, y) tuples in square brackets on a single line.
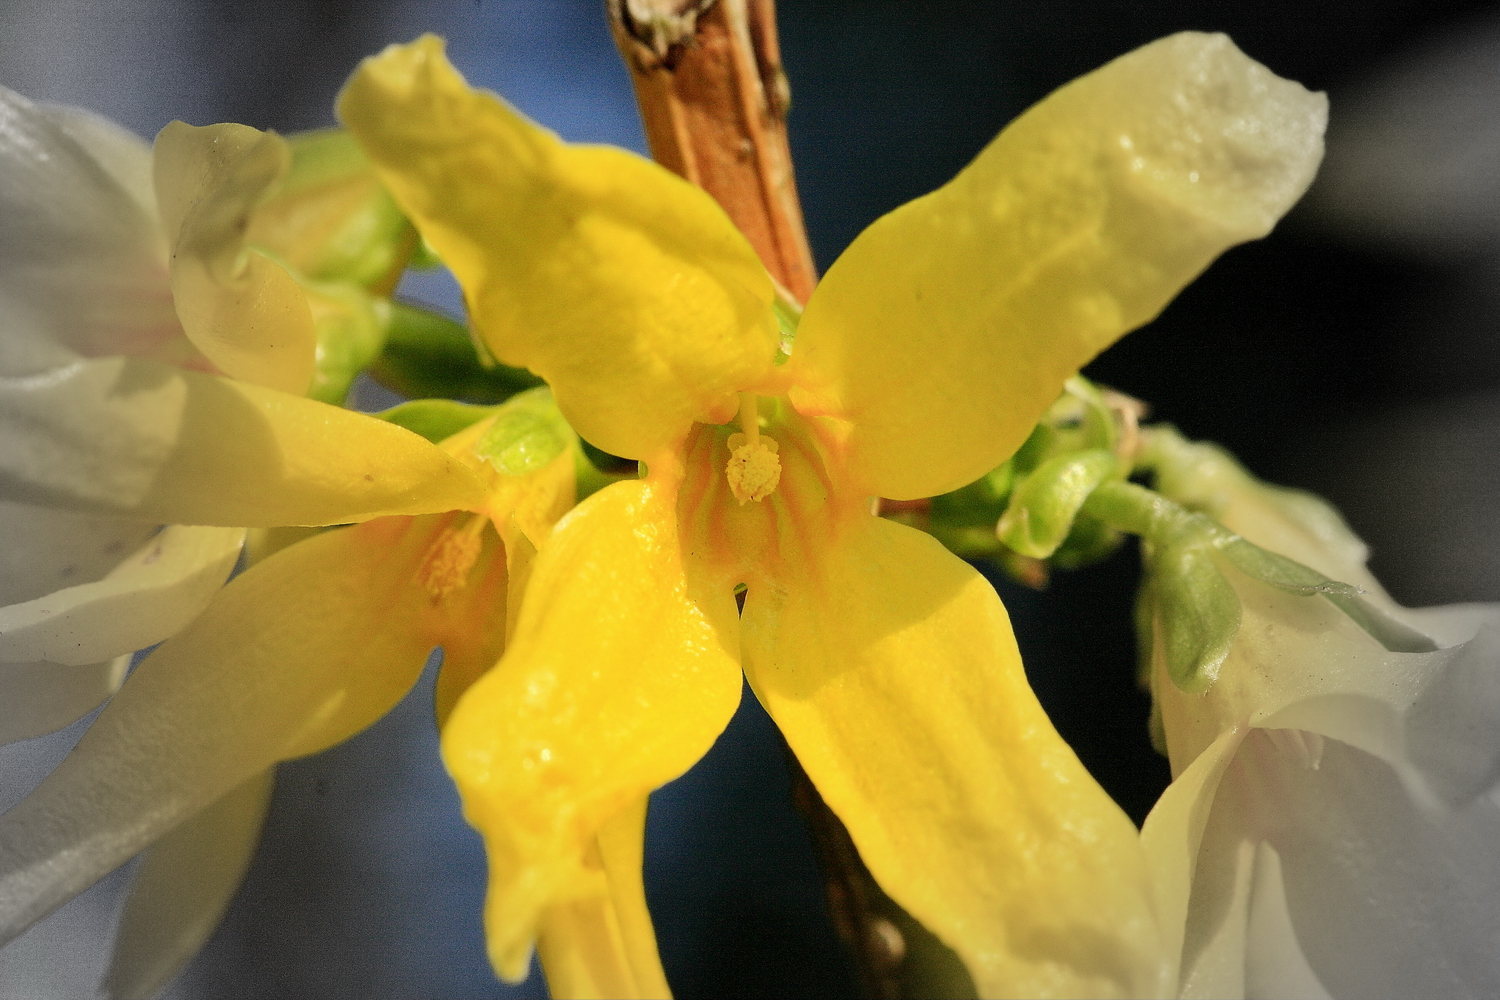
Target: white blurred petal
[(37, 698), (146, 599), (1274, 964), (1388, 899), (125, 156), (182, 887), (83, 266), (45, 550), (93, 434)]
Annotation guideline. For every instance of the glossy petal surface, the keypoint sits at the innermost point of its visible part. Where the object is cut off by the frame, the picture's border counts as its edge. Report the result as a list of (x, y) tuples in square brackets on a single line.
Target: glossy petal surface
[(625, 287), (182, 887), (299, 652), (148, 597), (125, 436), (949, 325), (890, 667), (239, 307), (620, 675)]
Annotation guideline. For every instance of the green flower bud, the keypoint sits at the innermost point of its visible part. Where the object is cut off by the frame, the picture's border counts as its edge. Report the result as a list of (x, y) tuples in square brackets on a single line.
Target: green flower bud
[(528, 432)]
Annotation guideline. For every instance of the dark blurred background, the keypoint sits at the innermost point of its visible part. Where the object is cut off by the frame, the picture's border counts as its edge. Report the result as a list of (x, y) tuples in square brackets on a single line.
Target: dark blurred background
[(1353, 353)]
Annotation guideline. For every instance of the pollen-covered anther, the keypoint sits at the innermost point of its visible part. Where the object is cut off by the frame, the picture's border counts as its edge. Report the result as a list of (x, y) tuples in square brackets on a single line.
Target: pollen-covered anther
[(753, 470), (448, 562)]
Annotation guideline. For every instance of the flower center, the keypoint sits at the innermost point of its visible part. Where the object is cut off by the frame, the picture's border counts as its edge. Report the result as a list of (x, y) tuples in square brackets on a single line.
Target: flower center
[(446, 567), (753, 469)]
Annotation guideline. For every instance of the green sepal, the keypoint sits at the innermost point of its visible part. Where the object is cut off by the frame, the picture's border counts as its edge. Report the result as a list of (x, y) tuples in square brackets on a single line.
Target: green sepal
[(435, 419), (1042, 507), (1278, 571), (1395, 635), (1089, 541), (429, 355), (1197, 613), (528, 432)]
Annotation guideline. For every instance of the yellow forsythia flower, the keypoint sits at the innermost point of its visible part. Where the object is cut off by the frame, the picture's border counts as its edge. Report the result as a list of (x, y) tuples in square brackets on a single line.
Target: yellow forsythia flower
[(923, 360)]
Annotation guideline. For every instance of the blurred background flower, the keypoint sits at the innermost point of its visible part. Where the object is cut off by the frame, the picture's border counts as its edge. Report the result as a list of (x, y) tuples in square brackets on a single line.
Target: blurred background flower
[(1354, 353)]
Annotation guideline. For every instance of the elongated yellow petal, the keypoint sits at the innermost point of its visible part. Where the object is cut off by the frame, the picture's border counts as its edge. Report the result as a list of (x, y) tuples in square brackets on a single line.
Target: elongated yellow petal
[(605, 946), (949, 325), (300, 651), (125, 436), (890, 667), (621, 674), (625, 287), (240, 308)]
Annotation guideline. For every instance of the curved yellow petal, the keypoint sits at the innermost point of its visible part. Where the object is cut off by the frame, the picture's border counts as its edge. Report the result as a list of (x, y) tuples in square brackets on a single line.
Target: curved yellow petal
[(605, 946), (621, 674), (890, 667), (297, 653), (625, 287), (126, 436), (241, 309), (949, 325)]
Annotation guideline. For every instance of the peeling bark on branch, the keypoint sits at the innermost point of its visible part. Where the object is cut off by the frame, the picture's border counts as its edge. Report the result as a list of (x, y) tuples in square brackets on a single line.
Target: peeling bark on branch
[(714, 98)]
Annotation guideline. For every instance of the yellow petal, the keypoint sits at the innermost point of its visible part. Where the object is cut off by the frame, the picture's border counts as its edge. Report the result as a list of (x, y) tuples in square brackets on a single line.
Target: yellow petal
[(621, 674), (948, 326), (299, 652), (625, 287), (890, 667), (523, 506), (125, 436), (605, 946), (240, 308)]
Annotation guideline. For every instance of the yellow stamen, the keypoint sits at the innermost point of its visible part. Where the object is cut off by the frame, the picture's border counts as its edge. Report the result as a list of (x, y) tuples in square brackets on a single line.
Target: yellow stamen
[(448, 562)]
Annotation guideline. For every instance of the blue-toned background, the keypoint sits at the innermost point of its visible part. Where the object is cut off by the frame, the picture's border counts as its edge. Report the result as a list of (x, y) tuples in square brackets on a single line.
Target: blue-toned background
[(1355, 353)]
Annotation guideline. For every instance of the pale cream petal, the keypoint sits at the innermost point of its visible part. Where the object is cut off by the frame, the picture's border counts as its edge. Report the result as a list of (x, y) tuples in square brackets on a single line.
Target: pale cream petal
[(47, 550), (38, 698), (182, 887), (83, 266), (126, 436), (145, 599)]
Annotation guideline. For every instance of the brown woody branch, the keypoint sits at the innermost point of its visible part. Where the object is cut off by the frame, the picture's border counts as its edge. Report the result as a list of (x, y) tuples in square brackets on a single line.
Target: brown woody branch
[(714, 98)]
